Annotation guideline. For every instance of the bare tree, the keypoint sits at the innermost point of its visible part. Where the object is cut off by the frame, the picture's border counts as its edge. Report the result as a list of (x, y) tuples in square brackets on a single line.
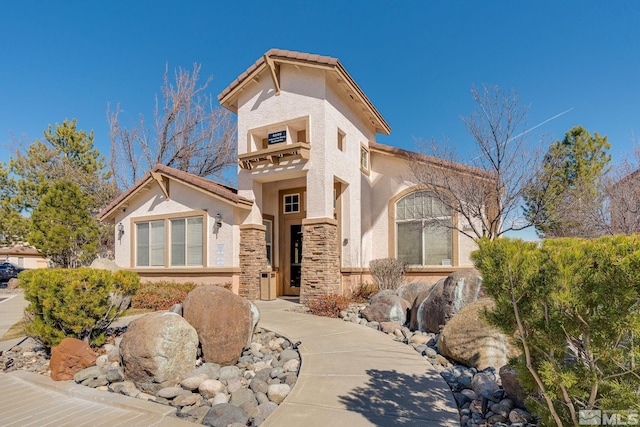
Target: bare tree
[(487, 194), (622, 194), (190, 132)]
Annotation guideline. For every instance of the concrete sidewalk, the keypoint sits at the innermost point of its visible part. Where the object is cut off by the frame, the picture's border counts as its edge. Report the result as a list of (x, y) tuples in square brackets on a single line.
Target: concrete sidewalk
[(355, 376), (11, 312), (350, 375)]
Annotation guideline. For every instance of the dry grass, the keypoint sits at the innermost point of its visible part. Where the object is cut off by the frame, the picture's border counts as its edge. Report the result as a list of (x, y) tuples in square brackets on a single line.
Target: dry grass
[(15, 331)]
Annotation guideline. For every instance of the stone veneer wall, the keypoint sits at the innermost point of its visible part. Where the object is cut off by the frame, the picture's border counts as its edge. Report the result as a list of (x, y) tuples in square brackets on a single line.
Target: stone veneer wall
[(253, 259), (320, 259)]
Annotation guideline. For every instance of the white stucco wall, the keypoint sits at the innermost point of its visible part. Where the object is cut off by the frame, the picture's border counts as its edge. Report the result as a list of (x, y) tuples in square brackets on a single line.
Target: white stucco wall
[(221, 250)]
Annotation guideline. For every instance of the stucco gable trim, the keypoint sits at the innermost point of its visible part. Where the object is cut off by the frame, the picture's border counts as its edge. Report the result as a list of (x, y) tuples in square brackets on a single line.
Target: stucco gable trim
[(159, 173)]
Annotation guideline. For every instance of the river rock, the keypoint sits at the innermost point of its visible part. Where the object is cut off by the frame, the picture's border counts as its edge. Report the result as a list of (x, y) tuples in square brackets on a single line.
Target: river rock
[(158, 347), (223, 320), (224, 414), (511, 384)]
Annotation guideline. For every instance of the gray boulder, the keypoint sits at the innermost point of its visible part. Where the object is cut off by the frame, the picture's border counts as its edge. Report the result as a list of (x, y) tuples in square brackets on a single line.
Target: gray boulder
[(410, 291), (158, 347), (434, 307), (223, 414), (388, 308)]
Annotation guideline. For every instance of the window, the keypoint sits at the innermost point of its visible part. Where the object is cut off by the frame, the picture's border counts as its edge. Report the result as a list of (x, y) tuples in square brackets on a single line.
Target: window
[(364, 159), (150, 243), (423, 230), (341, 141), (186, 241), (268, 236), (292, 203)]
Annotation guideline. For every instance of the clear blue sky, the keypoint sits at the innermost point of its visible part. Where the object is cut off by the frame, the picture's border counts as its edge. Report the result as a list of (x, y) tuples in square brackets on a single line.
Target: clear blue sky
[(416, 60)]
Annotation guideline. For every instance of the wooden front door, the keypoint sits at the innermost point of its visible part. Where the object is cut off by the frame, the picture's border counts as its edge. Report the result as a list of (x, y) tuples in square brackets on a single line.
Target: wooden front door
[(292, 212)]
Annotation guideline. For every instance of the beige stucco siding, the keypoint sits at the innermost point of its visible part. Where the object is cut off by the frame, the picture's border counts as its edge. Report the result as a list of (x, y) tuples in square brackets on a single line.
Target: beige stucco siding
[(151, 204)]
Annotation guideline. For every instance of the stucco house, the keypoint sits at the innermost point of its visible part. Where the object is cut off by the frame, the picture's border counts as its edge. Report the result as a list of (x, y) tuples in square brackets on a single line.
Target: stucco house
[(317, 197), (24, 256)]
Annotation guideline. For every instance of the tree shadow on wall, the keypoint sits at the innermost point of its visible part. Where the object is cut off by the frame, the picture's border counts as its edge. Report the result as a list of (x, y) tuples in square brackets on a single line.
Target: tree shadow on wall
[(391, 398)]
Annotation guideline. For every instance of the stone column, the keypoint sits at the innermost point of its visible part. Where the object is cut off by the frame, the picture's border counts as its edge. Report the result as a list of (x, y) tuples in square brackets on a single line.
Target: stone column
[(253, 259), (320, 259)]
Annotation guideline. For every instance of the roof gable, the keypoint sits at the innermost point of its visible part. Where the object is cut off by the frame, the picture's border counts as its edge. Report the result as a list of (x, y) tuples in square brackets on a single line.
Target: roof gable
[(222, 192), (269, 62)]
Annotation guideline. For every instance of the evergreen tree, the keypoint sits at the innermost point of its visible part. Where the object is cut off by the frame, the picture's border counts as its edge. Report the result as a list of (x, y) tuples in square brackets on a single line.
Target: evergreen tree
[(565, 199), (62, 227)]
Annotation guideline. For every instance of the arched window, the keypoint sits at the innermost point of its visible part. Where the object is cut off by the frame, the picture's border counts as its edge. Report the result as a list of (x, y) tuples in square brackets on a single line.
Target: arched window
[(423, 230)]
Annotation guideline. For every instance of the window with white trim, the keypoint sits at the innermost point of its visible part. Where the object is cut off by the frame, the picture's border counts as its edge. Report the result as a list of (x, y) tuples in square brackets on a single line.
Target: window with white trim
[(364, 159), (186, 241), (292, 203), (268, 236), (150, 243), (423, 230)]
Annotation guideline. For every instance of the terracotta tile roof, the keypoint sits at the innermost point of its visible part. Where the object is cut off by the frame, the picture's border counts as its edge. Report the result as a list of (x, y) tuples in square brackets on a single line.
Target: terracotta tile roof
[(430, 159), (278, 53), (306, 58), (221, 190)]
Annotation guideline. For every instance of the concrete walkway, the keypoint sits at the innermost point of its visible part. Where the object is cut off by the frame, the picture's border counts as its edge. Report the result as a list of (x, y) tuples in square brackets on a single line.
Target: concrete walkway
[(350, 375)]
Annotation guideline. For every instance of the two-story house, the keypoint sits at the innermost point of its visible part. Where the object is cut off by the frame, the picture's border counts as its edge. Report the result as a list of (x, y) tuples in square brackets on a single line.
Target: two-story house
[(317, 197)]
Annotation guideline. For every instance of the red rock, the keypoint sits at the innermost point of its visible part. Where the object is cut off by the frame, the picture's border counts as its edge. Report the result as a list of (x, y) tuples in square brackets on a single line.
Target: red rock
[(223, 320), (69, 357)]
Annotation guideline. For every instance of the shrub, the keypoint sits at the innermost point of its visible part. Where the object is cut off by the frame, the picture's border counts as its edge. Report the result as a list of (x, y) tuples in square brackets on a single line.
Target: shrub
[(79, 303), (363, 292), (161, 295), (575, 306), (328, 305), (388, 273)]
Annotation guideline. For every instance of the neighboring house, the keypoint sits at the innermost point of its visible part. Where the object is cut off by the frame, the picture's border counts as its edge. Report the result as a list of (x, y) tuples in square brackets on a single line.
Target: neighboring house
[(624, 204), (23, 256), (317, 197)]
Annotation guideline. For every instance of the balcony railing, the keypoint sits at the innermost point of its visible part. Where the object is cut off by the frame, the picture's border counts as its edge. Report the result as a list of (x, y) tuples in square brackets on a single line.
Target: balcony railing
[(274, 155)]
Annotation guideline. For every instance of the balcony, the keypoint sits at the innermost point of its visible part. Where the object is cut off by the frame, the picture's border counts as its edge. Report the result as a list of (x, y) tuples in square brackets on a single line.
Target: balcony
[(275, 154)]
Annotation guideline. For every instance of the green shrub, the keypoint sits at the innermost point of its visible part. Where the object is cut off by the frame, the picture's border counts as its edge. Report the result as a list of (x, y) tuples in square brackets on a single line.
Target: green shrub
[(79, 303), (161, 295), (328, 305), (364, 292), (387, 273), (575, 306)]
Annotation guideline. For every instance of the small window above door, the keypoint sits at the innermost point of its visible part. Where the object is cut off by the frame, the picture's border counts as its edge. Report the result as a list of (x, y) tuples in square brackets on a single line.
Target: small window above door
[(291, 203)]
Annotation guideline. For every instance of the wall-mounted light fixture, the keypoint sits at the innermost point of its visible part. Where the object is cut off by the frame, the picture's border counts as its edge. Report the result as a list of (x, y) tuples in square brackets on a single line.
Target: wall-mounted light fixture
[(120, 231), (217, 223), (345, 242)]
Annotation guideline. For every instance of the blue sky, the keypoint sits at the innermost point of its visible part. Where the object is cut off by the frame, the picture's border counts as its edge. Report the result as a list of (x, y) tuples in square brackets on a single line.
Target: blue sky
[(416, 60)]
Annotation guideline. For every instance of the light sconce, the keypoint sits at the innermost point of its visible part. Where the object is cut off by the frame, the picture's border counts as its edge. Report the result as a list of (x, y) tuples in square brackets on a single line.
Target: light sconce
[(120, 230), (217, 224), (345, 242)]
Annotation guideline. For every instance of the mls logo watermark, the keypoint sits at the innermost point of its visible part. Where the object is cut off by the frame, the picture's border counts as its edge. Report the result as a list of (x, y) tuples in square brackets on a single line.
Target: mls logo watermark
[(596, 417)]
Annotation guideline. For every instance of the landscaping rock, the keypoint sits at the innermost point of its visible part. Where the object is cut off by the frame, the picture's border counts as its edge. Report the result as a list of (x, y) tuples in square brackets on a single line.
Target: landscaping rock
[(158, 347), (224, 414), (447, 297), (388, 308), (69, 357), (223, 320), (511, 384), (410, 291), (277, 392), (469, 340)]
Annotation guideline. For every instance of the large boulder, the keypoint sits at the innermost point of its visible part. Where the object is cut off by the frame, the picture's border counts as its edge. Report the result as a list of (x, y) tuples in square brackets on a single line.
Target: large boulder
[(469, 340), (410, 291), (104, 264), (388, 308), (447, 297), (224, 322), (70, 357), (158, 347)]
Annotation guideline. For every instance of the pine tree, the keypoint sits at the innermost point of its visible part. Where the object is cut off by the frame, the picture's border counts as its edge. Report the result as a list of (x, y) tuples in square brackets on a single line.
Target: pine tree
[(62, 227), (565, 199)]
